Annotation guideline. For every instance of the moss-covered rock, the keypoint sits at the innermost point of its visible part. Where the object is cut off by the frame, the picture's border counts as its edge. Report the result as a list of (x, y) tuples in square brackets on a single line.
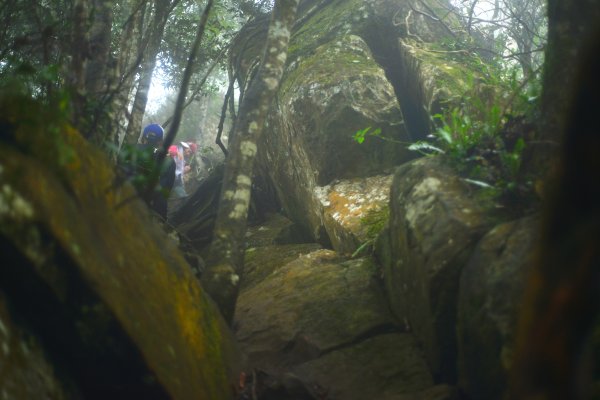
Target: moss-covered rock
[(441, 79), (322, 103), (95, 276), (434, 225), (323, 318), (351, 65), (386, 367), (491, 288), (355, 210)]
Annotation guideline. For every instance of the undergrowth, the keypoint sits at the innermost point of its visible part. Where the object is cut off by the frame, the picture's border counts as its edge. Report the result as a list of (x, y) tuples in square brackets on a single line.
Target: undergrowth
[(486, 136)]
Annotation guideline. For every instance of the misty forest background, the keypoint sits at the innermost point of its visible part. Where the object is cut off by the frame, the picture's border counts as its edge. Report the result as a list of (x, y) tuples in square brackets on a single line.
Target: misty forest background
[(517, 129)]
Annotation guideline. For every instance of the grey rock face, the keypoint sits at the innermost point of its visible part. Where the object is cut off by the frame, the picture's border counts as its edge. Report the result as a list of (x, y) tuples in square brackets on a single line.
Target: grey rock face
[(491, 287), (434, 226)]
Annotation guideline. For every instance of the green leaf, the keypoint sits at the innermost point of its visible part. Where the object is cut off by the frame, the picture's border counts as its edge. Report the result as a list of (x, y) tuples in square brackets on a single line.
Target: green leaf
[(519, 146), (420, 146), (361, 248), (478, 183), (359, 136), (445, 134)]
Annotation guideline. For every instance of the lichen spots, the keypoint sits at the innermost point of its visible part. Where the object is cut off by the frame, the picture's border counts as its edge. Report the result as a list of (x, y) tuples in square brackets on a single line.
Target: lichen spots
[(13, 205), (228, 195), (271, 83), (423, 198), (252, 129), (244, 180), (242, 194), (349, 202), (240, 210), (281, 57), (279, 30), (248, 148), (428, 185)]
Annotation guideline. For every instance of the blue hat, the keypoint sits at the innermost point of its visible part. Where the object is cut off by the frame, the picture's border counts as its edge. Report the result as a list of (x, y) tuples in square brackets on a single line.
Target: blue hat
[(153, 133)]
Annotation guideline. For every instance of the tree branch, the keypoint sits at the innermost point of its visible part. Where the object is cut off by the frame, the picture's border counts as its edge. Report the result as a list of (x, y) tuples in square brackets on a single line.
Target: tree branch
[(199, 87), (187, 75)]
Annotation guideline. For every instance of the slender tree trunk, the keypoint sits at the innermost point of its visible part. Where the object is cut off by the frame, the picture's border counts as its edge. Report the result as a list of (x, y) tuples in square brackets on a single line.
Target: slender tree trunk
[(99, 46), (221, 279), (525, 58), (130, 57), (79, 51), (92, 111), (471, 14), (134, 125)]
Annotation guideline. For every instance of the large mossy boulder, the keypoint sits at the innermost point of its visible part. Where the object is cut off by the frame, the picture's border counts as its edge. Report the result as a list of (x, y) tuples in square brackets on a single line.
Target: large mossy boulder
[(491, 288), (332, 87), (322, 103), (323, 318), (269, 245), (318, 300), (433, 228), (94, 278), (319, 320), (351, 65)]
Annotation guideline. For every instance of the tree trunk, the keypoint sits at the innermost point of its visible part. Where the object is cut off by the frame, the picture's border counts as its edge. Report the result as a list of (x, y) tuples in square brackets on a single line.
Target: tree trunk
[(555, 345), (159, 21), (90, 65), (225, 263), (130, 57), (78, 50), (99, 47), (98, 72), (570, 25)]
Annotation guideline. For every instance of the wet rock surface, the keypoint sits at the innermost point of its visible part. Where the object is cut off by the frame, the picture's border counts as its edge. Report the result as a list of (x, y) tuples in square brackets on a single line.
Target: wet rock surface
[(434, 226), (491, 288), (323, 318), (355, 210)]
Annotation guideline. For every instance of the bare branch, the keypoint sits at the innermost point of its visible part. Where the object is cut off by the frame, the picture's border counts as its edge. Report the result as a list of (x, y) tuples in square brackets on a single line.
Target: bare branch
[(200, 85), (223, 116)]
